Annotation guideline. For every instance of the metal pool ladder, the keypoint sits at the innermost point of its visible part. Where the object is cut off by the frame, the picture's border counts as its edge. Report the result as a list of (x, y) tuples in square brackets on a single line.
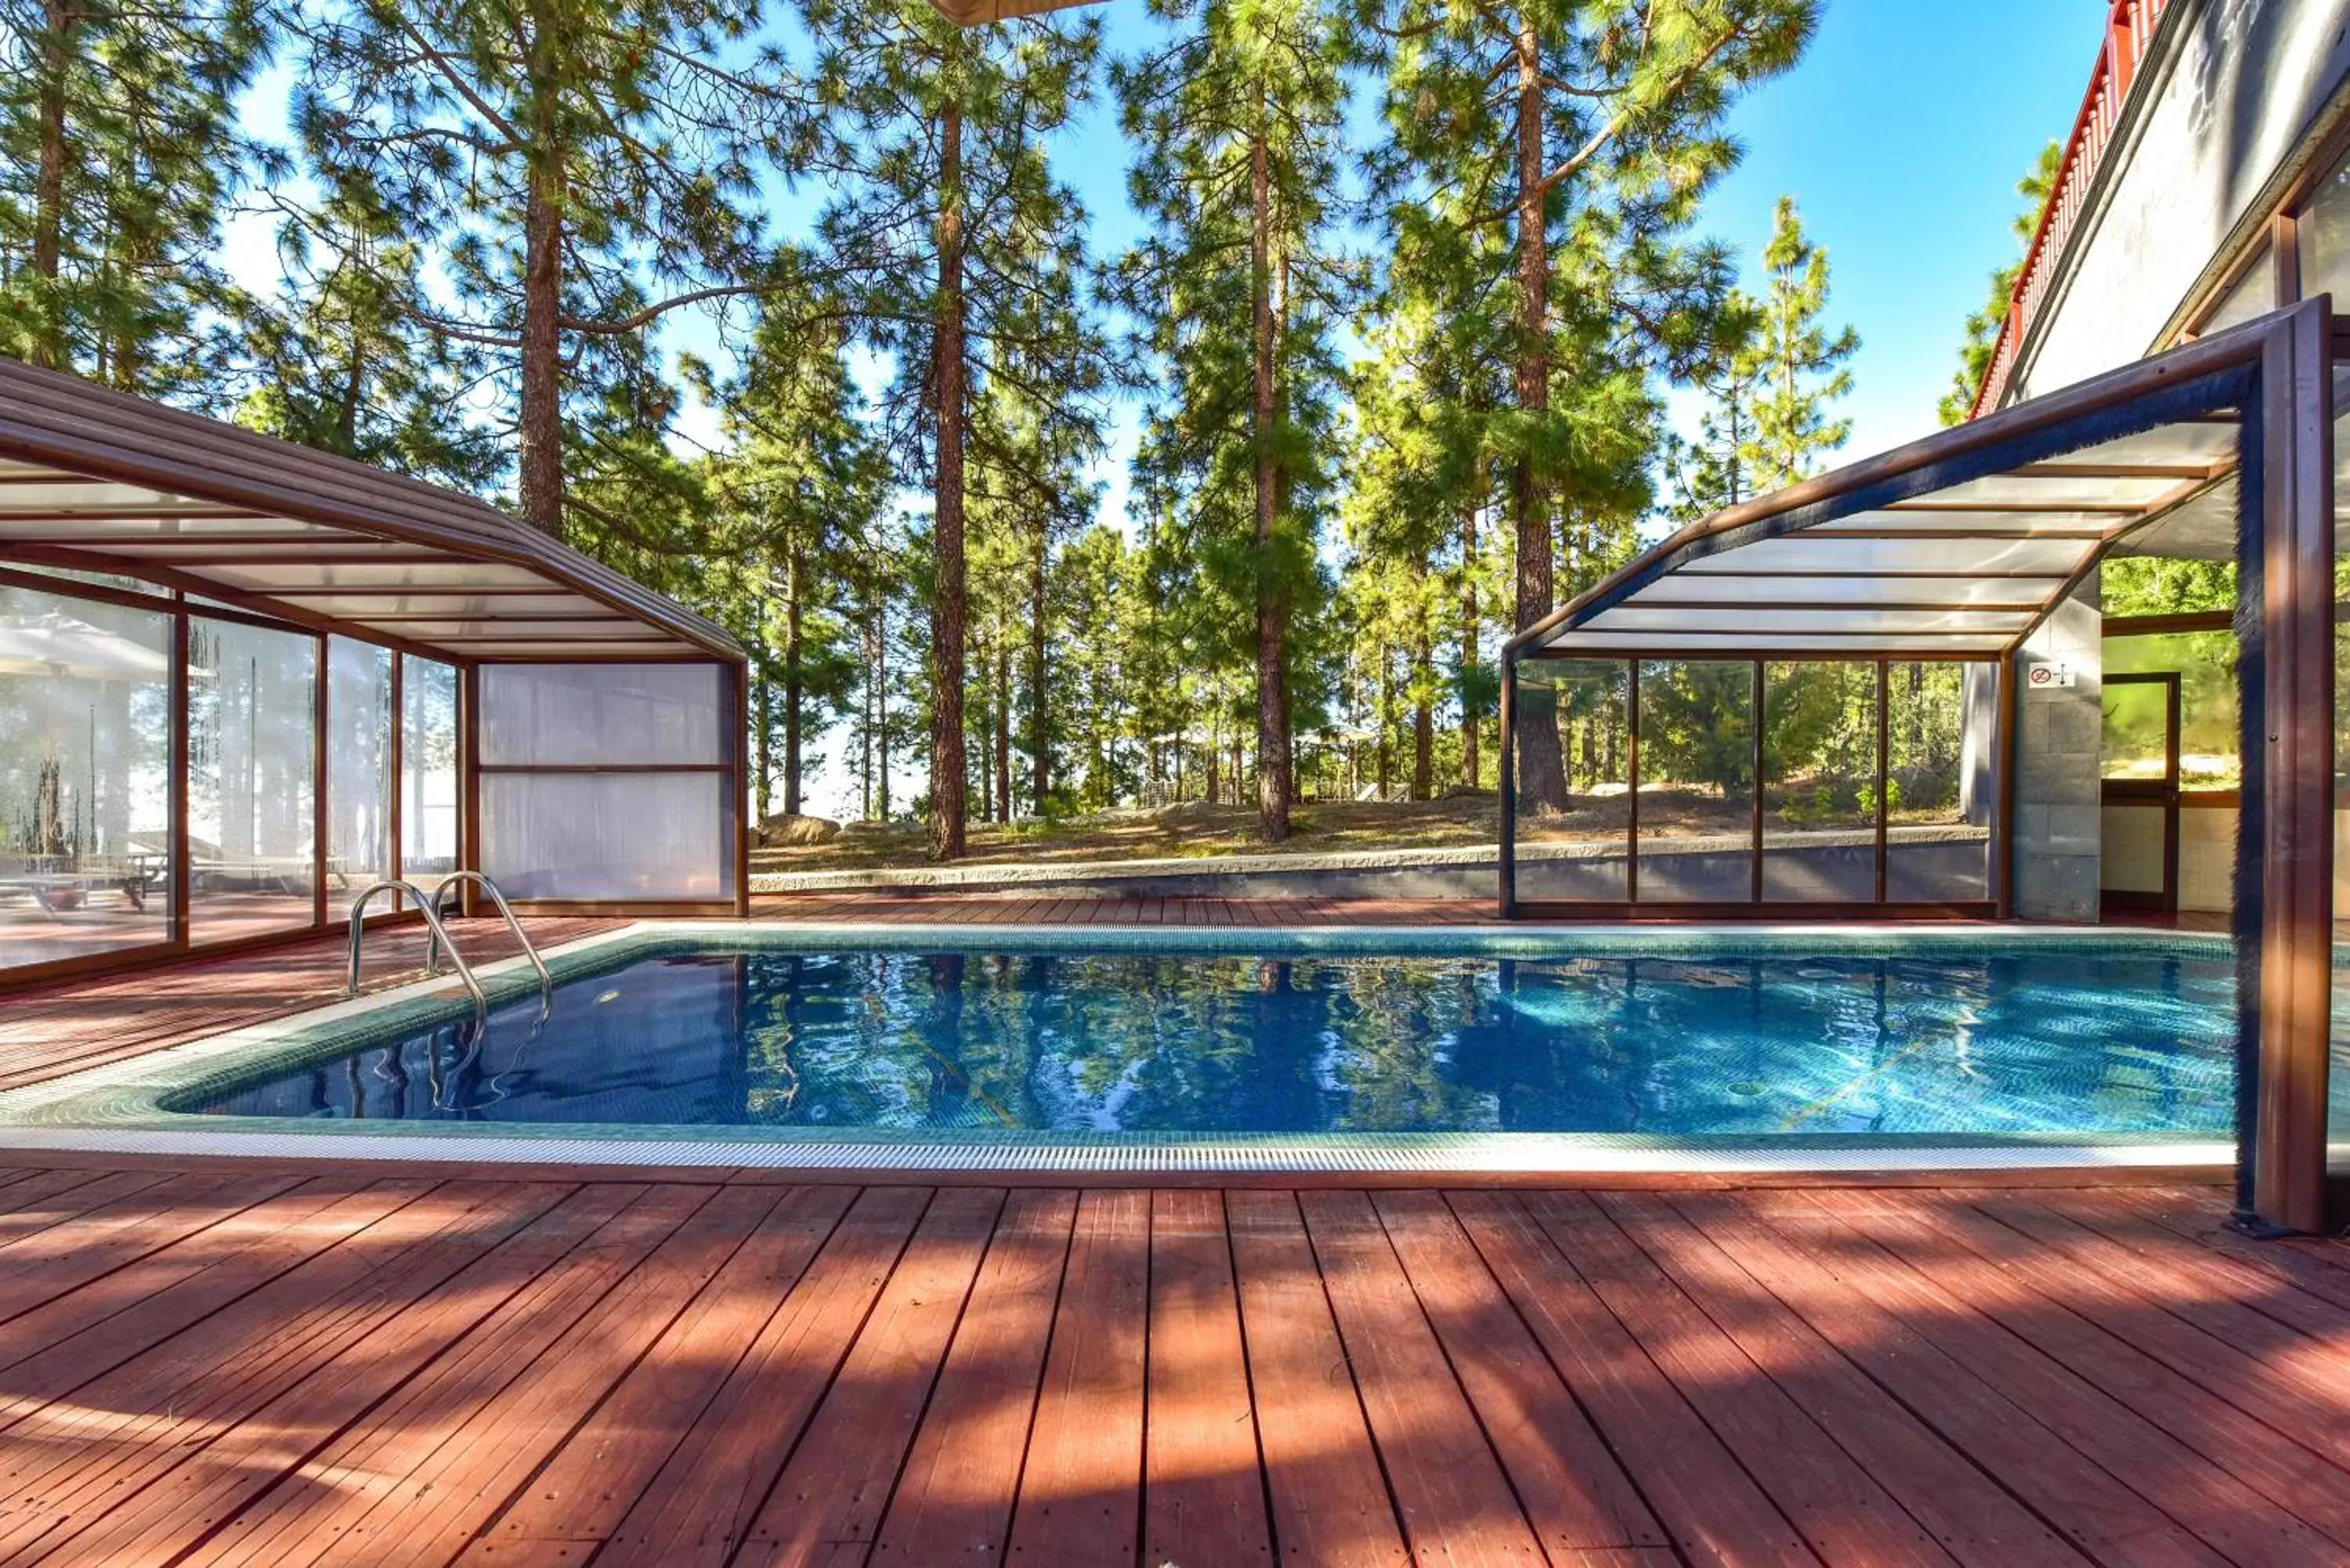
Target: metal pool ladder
[(438, 938), (440, 935)]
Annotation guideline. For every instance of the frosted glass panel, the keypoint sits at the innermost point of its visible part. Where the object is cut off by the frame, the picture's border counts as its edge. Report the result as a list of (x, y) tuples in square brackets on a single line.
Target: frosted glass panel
[(85, 764), (358, 768), (429, 814), (540, 715), (252, 820), (609, 835)]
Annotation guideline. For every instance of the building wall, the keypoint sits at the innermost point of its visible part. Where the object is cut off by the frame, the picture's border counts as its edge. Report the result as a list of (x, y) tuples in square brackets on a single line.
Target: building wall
[(2056, 828), (2238, 87)]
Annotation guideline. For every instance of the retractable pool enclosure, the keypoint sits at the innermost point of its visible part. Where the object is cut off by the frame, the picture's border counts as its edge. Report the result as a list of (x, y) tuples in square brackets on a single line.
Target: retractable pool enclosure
[(240, 680), (1857, 695)]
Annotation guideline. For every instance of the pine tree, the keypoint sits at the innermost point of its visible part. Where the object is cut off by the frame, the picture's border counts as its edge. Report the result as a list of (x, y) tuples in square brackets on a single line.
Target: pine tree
[(578, 171), (800, 494), (336, 359), (1589, 130), (1240, 140), (1983, 327), (958, 247), (119, 154), (1779, 368)]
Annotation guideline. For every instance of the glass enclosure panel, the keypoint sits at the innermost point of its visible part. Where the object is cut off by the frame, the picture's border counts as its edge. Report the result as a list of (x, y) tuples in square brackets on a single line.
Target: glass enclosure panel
[(253, 819), (1943, 722), (1696, 781), (1819, 782), (431, 811), (2323, 233), (359, 769), (2136, 748), (1572, 848), (2205, 662), (609, 835), (2252, 295), (573, 714), (85, 777), (2338, 1140)]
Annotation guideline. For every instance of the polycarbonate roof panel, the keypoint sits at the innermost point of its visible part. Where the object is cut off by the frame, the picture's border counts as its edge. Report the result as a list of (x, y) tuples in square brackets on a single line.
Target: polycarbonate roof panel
[(1590, 643), (92, 479), (1767, 620), (1965, 569), (1930, 521), (1815, 552), (2132, 493), (1736, 589)]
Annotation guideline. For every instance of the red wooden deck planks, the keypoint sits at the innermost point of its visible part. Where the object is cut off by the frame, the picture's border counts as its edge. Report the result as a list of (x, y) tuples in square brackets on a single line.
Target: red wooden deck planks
[(1975, 1520), (699, 1506), (582, 1492), (1203, 1483), (1329, 1500), (1079, 1498), (1450, 1490), (828, 1502), (955, 1496)]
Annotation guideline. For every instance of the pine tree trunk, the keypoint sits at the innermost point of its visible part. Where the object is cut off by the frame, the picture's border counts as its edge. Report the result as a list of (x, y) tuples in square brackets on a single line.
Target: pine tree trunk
[(1423, 678), (1542, 773), (947, 784), (1387, 722), (1002, 727), (795, 683), (1468, 771), (541, 414), (1040, 724), (764, 700), (1272, 610), (60, 21), (882, 697)]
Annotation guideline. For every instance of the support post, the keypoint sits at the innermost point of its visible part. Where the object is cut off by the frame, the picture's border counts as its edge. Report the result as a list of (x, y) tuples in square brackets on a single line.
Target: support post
[(2295, 540), (1505, 869)]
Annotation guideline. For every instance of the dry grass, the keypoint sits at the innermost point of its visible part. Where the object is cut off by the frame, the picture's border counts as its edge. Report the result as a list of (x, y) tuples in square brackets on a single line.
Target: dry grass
[(1195, 830)]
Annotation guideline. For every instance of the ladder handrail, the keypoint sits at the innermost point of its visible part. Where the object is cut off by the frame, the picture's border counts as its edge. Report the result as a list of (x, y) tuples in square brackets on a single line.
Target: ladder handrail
[(433, 923), (431, 954)]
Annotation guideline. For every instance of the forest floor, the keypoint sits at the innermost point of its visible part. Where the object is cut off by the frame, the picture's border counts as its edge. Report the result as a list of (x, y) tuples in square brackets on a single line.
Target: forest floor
[(1195, 829), (1190, 829)]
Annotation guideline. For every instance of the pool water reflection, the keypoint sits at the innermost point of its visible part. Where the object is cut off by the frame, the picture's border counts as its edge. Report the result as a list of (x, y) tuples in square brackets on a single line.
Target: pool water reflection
[(2115, 1041)]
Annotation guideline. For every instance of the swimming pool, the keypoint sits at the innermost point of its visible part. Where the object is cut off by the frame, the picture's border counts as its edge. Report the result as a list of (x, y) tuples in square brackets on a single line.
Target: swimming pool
[(1312, 1048), (1702, 1044)]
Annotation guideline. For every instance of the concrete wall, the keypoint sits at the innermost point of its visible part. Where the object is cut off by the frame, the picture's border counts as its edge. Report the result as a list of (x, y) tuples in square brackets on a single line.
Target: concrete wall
[(2238, 85), (2056, 786)]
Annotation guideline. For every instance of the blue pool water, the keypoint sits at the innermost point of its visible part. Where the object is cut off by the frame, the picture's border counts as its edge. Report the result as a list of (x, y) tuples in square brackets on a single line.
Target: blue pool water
[(2116, 1040)]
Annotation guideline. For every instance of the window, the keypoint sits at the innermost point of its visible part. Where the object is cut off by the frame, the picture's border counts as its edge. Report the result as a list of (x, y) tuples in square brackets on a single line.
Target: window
[(253, 825), (1940, 718), (359, 769), (1696, 781), (1819, 782), (1571, 847), (85, 777)]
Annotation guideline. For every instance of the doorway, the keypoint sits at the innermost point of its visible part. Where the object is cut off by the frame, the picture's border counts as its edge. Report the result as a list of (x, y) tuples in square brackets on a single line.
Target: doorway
[(2138, 766)]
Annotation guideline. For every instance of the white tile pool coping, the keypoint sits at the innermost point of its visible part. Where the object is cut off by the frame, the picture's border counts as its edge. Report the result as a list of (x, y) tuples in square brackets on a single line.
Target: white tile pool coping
[(119, 1108)]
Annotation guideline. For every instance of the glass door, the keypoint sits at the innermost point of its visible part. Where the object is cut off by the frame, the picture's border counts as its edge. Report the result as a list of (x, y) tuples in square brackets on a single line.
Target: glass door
[(2138, 806)]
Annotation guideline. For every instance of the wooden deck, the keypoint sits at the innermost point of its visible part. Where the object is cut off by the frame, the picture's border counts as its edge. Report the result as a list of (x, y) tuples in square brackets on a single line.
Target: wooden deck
[(257, 1366), (244, 1363)]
